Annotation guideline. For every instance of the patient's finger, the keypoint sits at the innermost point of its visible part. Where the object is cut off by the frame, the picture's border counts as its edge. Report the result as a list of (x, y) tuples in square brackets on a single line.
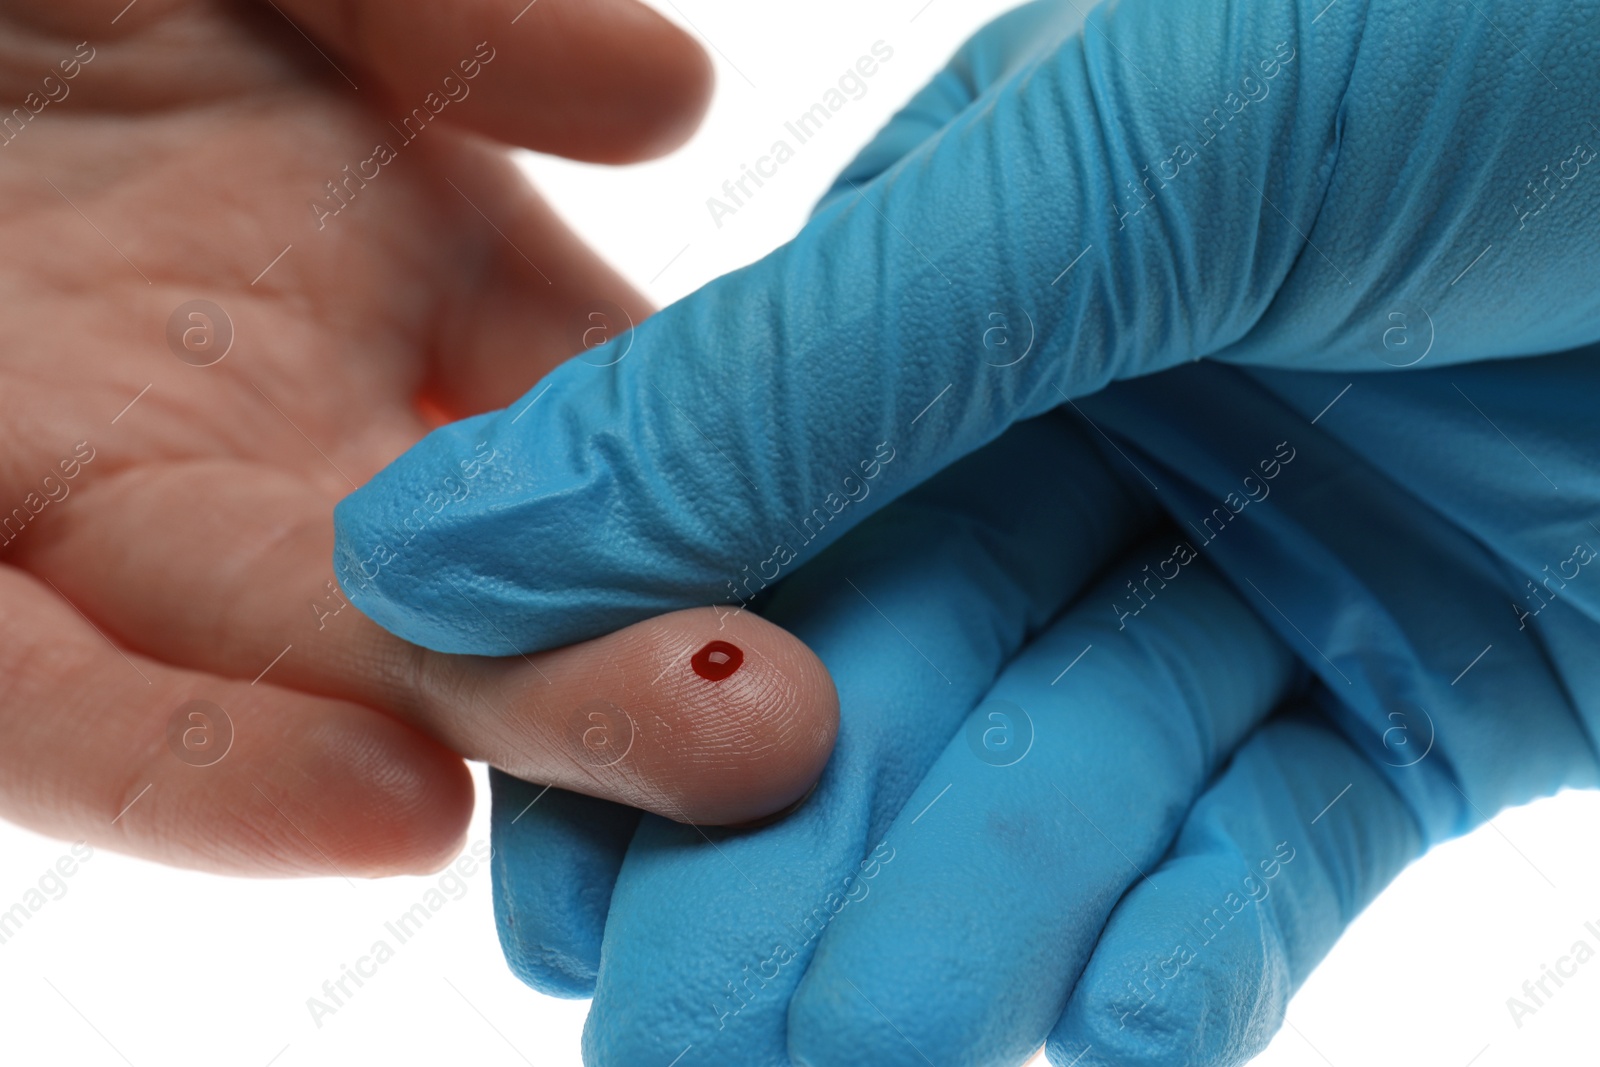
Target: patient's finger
[(701, 715), (603, 80), (188, 769)]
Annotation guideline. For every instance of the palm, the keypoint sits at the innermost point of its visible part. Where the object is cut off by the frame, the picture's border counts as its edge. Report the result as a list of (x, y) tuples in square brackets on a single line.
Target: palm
[(122, 218)]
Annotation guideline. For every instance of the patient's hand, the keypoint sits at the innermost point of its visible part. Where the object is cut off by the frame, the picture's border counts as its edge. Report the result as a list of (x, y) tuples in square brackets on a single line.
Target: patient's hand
[(209, 344)]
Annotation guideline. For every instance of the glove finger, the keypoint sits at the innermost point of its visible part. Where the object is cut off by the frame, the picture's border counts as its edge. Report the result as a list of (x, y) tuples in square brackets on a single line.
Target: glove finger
[(1004, 872), (556, 857), (1298, 836), (914, 615), (1017, 226)]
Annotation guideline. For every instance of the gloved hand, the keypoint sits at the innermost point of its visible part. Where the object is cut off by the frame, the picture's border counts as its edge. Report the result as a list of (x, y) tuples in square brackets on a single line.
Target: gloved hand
[(1271, 226), (1253, 267), (1150, 878), (949, 598), (1307, 184)]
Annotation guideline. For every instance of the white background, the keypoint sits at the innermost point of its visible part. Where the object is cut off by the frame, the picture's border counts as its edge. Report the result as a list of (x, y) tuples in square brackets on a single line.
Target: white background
[(142, 965)]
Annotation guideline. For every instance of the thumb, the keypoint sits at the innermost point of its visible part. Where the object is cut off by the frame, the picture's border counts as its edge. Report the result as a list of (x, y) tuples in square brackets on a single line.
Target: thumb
[(1024, 254)]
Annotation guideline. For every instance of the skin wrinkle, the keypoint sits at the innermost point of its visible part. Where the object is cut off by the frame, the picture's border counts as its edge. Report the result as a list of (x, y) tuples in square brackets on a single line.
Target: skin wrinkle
[(246, 558), (55, 789), (232, 436), (139, 776), (190, 42), (505, 739), (246, 566), (408, 791), (24, 461)]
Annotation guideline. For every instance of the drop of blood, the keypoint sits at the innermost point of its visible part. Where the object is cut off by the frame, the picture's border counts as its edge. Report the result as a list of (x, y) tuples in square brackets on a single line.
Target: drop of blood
[(717, 660)]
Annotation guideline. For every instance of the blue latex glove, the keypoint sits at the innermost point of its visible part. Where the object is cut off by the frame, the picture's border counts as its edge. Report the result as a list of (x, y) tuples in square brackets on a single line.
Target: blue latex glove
[(991, 906), (1248, 276), (1301, 184)]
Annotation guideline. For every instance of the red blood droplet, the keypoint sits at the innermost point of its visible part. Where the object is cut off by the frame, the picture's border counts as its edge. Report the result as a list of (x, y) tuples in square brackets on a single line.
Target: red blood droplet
[(717, 660)]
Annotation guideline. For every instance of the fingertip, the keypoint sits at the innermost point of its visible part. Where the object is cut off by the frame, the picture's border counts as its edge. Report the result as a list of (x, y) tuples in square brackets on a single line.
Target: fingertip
[(704, 715), (1191, 973), (833, 1023), (606, 81), (410, 797), (652, 101), (754, 717), (301, 787)]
